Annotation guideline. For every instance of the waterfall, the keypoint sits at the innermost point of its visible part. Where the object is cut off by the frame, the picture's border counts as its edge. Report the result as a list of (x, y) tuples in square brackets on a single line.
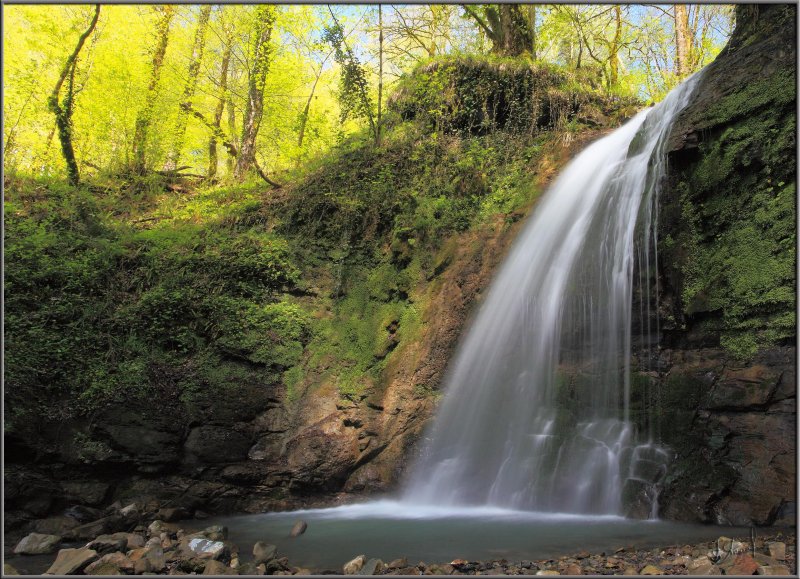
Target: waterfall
[(535, 408)]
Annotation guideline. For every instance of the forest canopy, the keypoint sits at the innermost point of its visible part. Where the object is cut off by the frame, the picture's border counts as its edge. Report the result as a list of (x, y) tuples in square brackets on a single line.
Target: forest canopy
[(233, 90)]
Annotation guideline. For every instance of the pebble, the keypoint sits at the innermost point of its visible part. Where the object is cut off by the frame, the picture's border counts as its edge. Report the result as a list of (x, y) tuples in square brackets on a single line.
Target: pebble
[(298, 529), (777, 550)]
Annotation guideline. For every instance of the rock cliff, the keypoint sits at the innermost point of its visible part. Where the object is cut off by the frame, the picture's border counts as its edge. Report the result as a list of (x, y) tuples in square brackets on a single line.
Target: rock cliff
[(723, 385)]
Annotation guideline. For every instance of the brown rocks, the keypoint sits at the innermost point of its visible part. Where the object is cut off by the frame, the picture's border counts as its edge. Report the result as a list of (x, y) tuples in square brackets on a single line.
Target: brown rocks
[(110, 543), (70, 561), (298, 529), (215, 532), (739, 565), (263, 552), (37, 544), (90, 530), (403, 562), (218, 568), (117, 560), (216, 444), (54, 525), (773, 570), (777, 550), (354, 565), (172, 514), (149, 560), (651, 570), (373, 567), (104, 569)]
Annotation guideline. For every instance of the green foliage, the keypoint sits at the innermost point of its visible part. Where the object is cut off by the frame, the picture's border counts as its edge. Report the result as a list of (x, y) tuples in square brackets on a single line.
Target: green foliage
[(479, 95), (95, 308), (738, 251), (354, 96)]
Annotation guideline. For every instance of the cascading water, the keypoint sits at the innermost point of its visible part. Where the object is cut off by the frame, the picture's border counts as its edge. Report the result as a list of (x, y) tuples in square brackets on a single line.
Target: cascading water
[(535, 413)]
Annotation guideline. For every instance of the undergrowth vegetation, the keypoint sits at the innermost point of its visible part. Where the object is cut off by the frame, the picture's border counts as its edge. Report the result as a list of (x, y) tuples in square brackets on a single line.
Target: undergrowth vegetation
[(141, 288), (737, 252)]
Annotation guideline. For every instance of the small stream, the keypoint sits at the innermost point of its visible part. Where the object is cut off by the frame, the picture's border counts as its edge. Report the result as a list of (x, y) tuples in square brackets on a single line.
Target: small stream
[(389, 530)]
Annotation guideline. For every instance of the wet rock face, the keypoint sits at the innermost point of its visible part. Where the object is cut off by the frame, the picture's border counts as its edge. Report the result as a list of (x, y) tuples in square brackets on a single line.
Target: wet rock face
[(724, 376), (735, 458)]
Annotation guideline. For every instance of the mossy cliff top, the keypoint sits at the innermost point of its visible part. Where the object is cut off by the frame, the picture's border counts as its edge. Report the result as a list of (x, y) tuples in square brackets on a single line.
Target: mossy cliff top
[(475, 96), (728, 213)]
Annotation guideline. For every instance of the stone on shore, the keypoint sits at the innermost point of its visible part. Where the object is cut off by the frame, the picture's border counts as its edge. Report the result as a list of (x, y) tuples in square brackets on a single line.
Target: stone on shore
[(741, 565), (37, 544), (130, 511), (371, 567), (152, 560), (118, 560), (203, 548), (214, 567), (573, 569), (90, 530), (354, 565), (70, 561), (215, 533), (773, 570), (403, 562), (54, 525), (172, 514), (109, 543), (263, 552), (651, 570), (104, 569), (777, 550), (250, 568)]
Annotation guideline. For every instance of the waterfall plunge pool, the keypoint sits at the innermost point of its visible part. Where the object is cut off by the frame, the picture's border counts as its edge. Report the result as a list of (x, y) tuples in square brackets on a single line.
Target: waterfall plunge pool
[(391, 529)]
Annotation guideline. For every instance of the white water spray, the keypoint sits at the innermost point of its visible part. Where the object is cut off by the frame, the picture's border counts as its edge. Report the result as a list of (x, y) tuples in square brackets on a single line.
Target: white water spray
[(535, 414)]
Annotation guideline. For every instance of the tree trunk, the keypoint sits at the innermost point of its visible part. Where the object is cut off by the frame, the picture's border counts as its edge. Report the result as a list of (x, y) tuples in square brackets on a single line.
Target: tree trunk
[(683, 41), (505, 25), (265, 16), (63, 110), (380, 75), (191, 83), (613, 51), (307, 110), (514, 31), (231, 162), (532, 28), (144, 117), (213, 159)]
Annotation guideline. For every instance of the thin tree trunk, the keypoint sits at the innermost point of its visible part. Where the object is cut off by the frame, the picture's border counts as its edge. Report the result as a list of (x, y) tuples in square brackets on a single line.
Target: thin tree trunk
[(380, 75), (191, 83), (307, 110), (227, 143), (230, 163), (265, 16), (613, 53), (144, 117), (682, 40), (63, 110), (213, 159), (532, 27)]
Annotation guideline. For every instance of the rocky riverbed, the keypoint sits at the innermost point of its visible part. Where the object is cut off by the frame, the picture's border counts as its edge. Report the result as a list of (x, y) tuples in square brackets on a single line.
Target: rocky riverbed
[(141, 539)]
